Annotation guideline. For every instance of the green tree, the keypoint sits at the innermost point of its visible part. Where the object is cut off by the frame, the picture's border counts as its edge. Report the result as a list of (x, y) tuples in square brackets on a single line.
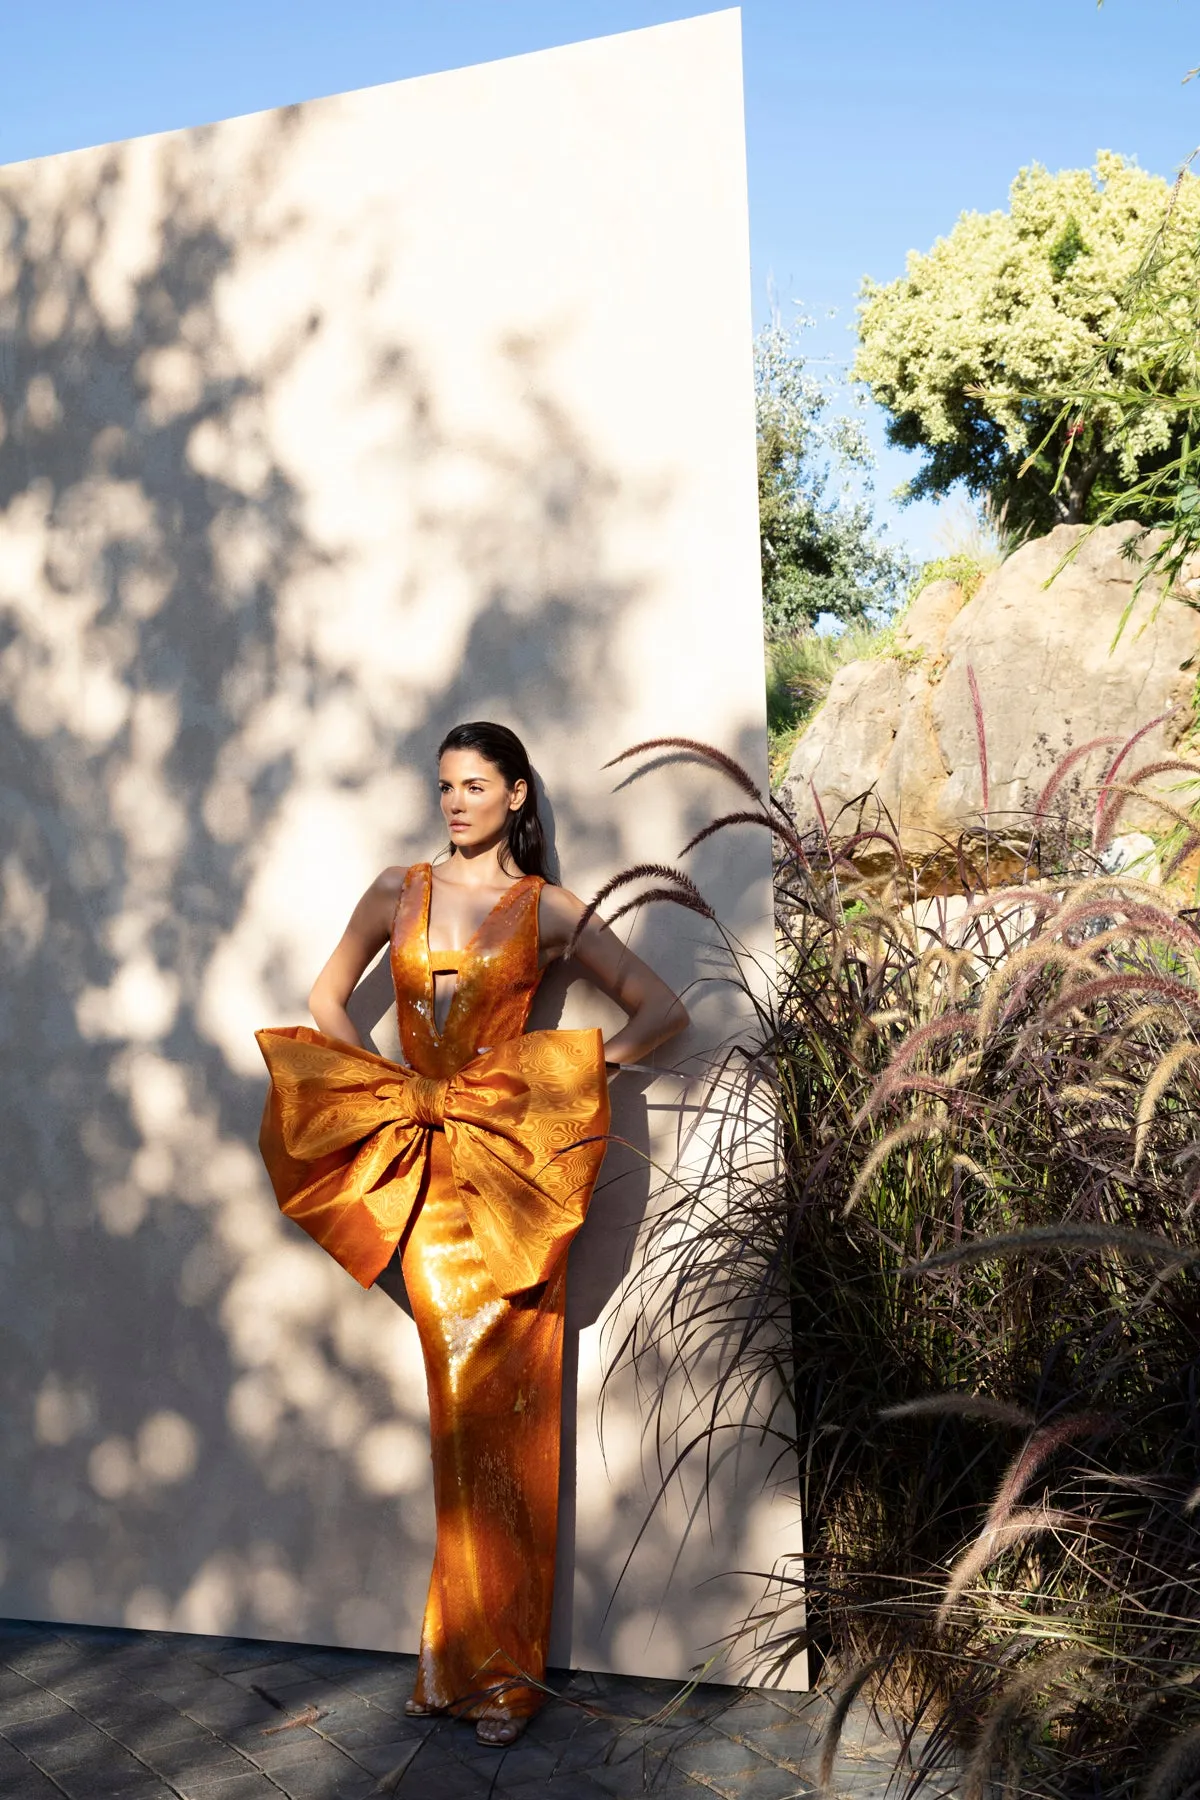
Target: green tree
[(1012, 306), (1155, 340), (822, 551)]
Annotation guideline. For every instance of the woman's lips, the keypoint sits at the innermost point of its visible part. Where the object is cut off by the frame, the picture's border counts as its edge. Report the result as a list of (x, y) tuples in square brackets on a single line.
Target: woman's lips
[(458, 824)]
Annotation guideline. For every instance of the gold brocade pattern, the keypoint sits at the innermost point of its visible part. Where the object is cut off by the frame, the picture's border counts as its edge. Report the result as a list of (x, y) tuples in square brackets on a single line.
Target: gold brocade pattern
[(494, 1372), (480, 1153)]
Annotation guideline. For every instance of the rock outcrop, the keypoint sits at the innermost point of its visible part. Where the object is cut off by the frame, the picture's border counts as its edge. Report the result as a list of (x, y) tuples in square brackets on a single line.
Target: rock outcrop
[(1049, 679)]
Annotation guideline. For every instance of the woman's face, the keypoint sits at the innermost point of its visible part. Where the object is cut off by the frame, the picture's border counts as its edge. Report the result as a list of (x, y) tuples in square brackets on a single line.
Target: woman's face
[(476, 801)]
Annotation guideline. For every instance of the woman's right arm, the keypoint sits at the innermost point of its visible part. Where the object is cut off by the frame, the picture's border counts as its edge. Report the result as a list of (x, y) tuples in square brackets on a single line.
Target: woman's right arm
[(369, 929)]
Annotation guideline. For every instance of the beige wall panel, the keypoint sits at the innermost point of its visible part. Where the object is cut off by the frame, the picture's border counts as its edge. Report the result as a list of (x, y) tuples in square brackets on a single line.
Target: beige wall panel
[(320, 430)]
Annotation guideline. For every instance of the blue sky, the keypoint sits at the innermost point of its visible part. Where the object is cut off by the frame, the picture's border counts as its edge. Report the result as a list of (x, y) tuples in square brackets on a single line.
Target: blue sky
[(871, 125)]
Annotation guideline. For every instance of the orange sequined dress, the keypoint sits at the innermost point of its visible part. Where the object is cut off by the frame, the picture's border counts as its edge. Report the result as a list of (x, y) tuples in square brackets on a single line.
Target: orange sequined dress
[(478, 1157)]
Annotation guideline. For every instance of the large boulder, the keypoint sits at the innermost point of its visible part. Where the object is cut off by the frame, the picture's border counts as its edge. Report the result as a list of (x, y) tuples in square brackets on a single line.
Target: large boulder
[(1049, 679)]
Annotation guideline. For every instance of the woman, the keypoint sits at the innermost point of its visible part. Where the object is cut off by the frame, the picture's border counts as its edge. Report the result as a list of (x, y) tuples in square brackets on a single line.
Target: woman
[(477, 1158)]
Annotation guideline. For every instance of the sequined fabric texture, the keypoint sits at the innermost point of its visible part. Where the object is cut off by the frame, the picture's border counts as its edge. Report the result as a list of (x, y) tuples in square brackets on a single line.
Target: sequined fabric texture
[(480, 1155), (497, 976)]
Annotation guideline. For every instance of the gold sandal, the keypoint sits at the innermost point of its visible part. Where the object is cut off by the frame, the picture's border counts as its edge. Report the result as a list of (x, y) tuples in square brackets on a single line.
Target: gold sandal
[(499, 1732)]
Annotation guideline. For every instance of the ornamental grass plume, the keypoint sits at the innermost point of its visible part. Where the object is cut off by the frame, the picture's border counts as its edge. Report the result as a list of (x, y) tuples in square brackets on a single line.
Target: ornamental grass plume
[(980, 1217), (1009, 1709)]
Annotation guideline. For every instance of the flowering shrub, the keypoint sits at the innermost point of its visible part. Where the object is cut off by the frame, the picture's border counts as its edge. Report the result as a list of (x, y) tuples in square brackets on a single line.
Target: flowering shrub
[(972, 349)]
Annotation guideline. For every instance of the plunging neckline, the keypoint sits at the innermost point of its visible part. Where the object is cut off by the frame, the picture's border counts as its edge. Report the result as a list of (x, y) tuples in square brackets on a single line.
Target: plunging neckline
[(470, 943), (462, 955)]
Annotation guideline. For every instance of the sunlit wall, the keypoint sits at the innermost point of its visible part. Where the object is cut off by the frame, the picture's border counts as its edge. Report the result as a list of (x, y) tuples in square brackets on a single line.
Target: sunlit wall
[(319, 430)]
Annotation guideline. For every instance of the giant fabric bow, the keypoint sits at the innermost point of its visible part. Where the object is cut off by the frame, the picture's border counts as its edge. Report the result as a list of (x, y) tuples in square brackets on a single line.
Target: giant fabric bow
[(346, 1134)]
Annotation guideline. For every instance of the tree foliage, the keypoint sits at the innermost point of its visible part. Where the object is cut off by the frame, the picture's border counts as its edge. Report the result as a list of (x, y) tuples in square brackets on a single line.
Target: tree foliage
[(969, 351), (822, 551), (1155, 337)]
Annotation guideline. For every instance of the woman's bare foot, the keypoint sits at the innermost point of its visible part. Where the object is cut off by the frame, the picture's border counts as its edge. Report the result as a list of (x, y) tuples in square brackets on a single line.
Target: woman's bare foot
[(499, 1731), (414, 1710)]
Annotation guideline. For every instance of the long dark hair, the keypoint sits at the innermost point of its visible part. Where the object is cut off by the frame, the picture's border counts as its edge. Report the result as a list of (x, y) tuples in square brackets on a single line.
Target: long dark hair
[(526, 840)]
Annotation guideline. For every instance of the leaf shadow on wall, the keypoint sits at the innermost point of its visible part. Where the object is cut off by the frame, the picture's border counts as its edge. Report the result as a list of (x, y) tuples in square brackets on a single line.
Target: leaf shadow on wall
[(193, 1390)]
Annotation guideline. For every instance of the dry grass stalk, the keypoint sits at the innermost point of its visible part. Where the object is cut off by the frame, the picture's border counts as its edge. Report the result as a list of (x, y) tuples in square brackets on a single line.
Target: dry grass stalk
[(1064, 768), (1037, 1238), (1007, 1709), (1176, 1769), (1032, 1455), (1011, 1533), (1106, 813), (1169, 1066), (831, 1737), (908, 1133), (674, 885), (967, 1406)]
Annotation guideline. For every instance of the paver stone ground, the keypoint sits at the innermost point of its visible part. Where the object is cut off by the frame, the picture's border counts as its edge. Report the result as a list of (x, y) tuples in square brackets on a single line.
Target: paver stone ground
[(95, 1714)]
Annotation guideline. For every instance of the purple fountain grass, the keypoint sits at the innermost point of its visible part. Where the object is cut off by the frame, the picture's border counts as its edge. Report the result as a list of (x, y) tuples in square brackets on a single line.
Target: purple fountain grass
[(913, 1130), (676, 896), (1138, 917), (872, 834), (981, 740), (946, 1090), (1126, 791), (1009, 1707), (1104, 821), (673, 885), (708, 753), (1069, 1235), (1012, 1533), (967, 1406), (773, 824), (1169, 1066), (1036, 1451), (831, 1737), (1175, 1773), (1063, 769), (822, 821), (1165, 766), (1008, 986), (1106, 987), (1177, 858), (961, 1019), (980, 1217)]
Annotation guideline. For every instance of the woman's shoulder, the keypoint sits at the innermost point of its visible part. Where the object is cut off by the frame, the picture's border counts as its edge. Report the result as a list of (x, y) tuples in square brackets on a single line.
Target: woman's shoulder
[(376, 908), (559, 913), (389, 883)]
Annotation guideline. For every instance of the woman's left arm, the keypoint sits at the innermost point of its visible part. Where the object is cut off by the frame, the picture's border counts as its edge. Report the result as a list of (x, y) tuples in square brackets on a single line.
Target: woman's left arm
[(654, 1012)]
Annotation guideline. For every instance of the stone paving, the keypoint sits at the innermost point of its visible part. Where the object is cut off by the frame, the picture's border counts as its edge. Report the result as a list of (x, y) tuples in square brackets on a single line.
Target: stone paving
[(93, 1714)]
